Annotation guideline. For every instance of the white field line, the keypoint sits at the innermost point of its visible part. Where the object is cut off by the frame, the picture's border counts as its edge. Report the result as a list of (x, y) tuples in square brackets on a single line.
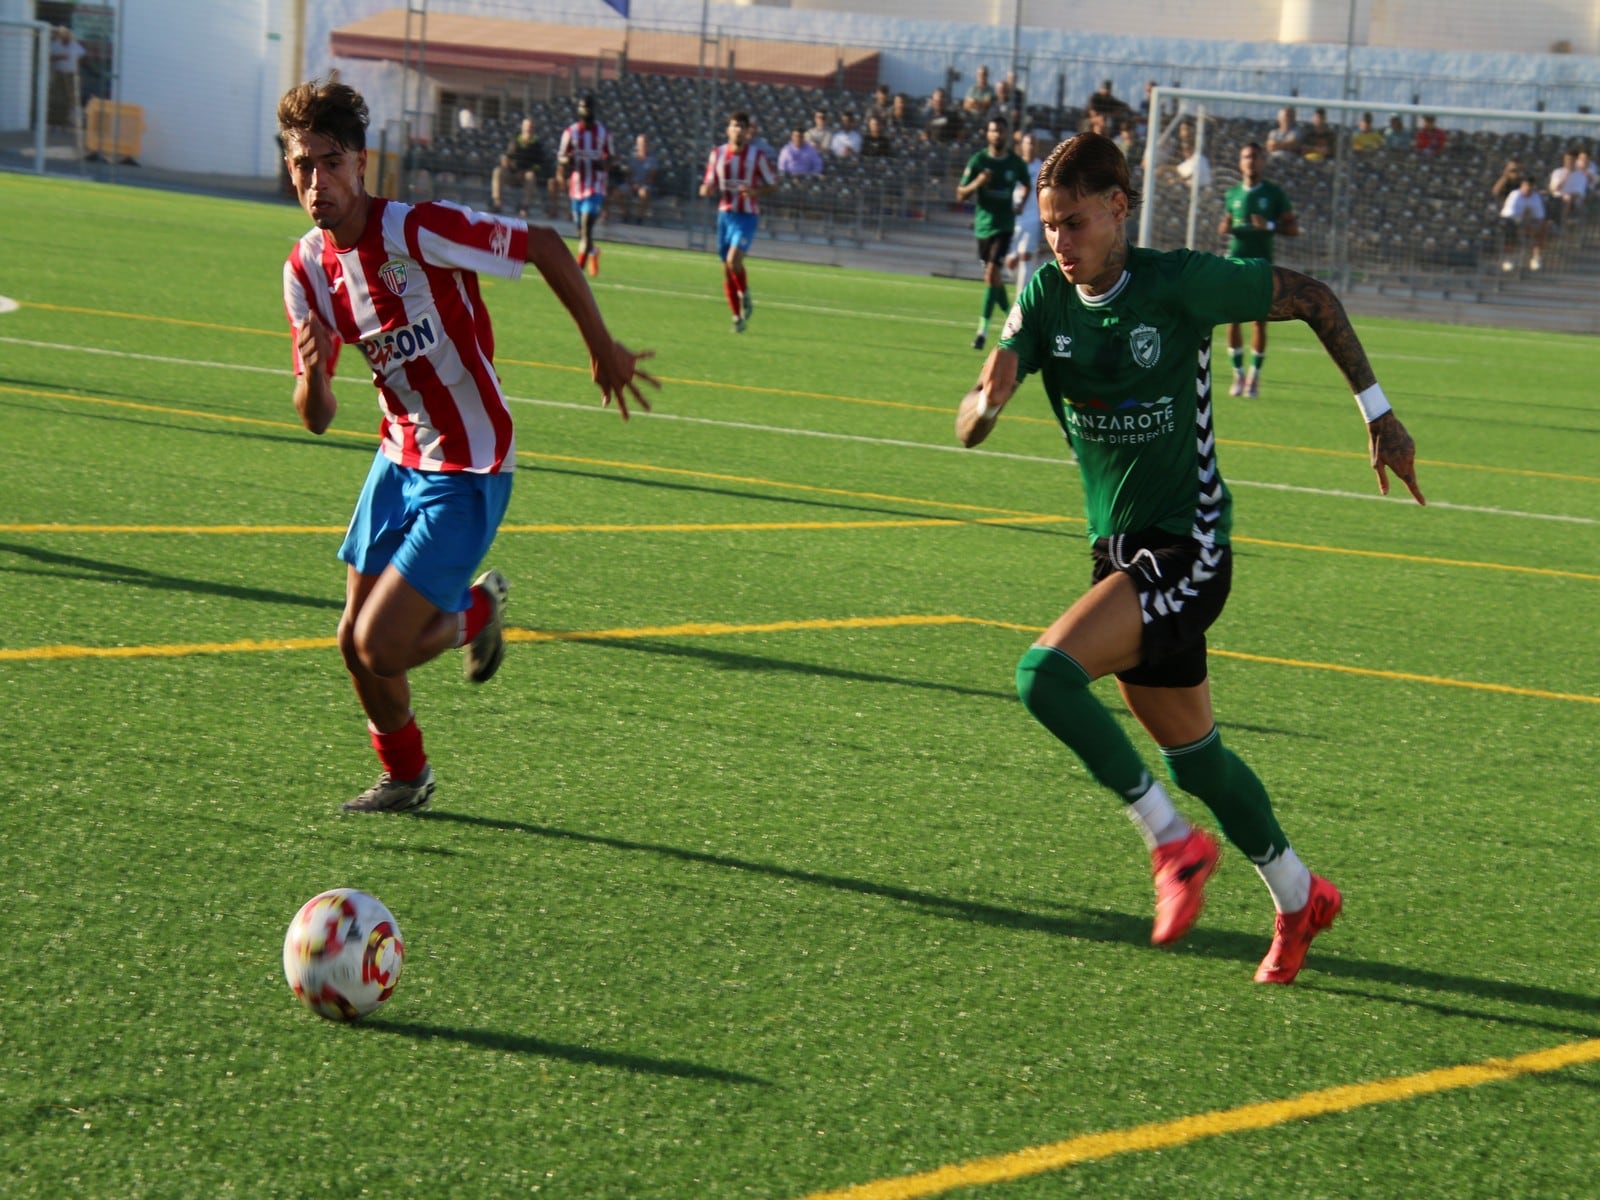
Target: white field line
[(786, 431)]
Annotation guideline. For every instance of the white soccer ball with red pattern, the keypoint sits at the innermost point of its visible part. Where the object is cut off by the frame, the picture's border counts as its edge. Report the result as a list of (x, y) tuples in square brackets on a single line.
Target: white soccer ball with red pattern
[(342, 954)]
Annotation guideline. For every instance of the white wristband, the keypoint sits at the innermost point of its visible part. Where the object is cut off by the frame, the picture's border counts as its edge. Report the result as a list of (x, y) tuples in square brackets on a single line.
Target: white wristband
[(984, 411), (1372, 403)]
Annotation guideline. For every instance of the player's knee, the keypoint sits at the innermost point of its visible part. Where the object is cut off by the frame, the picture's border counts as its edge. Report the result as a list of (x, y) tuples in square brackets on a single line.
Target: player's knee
[(365, 653), (1043, 672)]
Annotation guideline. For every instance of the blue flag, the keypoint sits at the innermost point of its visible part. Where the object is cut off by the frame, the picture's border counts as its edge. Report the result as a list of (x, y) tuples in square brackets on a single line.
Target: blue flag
[(621, 6)]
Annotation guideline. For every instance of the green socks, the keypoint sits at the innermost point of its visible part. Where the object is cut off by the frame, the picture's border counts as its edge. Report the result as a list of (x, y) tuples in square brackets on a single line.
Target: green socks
[(1230, 789), (1055, 689)]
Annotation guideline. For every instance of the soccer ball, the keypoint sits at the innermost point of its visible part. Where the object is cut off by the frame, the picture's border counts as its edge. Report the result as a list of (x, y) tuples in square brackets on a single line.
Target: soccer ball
[(342, 954)]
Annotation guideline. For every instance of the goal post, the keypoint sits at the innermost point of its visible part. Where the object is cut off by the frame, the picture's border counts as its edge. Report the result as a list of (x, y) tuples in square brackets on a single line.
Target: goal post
[(1384, 215)]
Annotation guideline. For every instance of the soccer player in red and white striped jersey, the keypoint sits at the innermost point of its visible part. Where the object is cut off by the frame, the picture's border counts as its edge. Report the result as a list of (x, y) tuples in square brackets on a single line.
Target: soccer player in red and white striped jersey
[(401, 282), (738, 174), (582, 165)]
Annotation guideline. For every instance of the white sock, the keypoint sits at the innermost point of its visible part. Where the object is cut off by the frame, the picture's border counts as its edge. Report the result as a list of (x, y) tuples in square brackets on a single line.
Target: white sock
[(1288, 880), (1157, 820)]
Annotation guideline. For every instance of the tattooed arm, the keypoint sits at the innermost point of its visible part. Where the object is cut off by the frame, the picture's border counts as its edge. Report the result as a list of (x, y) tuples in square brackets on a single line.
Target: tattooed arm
[(1297, 297)]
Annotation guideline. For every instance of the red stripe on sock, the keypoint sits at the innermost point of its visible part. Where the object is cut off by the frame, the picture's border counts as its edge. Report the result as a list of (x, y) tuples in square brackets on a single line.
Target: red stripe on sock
[(476, 616), (400, 751)]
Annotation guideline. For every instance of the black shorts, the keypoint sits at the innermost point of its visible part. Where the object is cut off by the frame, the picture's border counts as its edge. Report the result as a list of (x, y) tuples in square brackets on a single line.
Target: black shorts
[(1182, 587), (994, 248)]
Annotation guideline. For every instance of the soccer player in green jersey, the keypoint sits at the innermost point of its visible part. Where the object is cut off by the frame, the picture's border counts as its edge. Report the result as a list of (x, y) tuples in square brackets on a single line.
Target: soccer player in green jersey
[(1258, 211), (990, 182), (1121, 339)]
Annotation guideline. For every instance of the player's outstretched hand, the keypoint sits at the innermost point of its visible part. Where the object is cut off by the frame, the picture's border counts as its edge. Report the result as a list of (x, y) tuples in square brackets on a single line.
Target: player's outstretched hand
[(617, 373), (1392, 448)]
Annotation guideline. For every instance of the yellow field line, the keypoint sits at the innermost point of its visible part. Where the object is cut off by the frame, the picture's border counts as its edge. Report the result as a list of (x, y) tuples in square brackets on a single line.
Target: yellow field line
[(1405, 676), (690, 629), (723, 628), (757, 390), (1164, 1135), (781, 527)]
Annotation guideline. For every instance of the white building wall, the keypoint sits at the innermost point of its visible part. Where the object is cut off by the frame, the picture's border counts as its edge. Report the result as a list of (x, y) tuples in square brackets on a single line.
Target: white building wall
[(207, 75)]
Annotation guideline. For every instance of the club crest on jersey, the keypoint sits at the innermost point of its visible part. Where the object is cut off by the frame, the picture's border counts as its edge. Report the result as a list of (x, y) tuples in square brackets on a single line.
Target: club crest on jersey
[(1062, 347), (1013, 322), (500, 241), (393, 274), (1145, 342)]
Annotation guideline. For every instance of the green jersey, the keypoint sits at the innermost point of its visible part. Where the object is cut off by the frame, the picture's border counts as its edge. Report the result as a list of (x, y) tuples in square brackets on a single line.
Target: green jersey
[(1128, 375), (996, 210), (1266, 198)]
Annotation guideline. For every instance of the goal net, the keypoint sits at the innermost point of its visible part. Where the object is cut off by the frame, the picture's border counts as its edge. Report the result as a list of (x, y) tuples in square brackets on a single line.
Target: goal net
[(1372, 209)]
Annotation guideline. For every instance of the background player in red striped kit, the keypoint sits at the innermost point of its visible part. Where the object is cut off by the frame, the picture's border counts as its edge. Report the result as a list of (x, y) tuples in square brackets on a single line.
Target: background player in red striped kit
[(583, 163), (738, 174), (401, 283)]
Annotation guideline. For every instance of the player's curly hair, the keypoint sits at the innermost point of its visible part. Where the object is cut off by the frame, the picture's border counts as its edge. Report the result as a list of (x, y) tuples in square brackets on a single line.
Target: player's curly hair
[(1088, 165), (327, 107)]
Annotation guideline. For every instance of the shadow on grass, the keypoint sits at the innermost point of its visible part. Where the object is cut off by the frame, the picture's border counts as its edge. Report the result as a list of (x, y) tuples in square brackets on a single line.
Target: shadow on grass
[(829, 503), (512, 1043), (731, 661), (1092, 925), (73, 566)]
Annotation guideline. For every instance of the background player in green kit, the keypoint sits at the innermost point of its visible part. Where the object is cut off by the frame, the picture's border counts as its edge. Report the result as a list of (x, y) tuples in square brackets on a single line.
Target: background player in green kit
[(1122, 341), (990, 182), (1258, 211)]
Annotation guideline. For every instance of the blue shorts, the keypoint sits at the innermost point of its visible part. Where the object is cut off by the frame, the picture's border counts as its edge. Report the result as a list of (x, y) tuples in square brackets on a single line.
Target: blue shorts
[(735, 229), (434, 527), (588, 206)]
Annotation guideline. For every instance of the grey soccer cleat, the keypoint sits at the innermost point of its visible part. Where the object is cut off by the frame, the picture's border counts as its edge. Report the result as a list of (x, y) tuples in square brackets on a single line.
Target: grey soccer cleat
[(394, 795), (485, 651)]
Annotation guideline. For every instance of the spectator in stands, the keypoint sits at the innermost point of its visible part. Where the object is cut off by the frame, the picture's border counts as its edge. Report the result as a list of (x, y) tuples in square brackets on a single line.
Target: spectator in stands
[(940, 122), (1109, 105), (520, 164), (1430, 138), (1511, 177), (1569, 186), (1586, 164), (1284, 142), (820, 135), (1191, 168), (1098, 122), (1256, 212), (881, 103), (900, 119), (1396, 137), (875, 142), (640, 186), (1320, 140), (980, 96), (1366, 139), (1128, 143), (583, 165), (1146, 112), (846, 142), (798, 156), (1523, 221), (758, 140), (1008, 101), (66, 53)]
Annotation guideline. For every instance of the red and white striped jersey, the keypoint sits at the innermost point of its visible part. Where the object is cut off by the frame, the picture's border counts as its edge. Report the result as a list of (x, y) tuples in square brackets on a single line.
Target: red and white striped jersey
[(407, 294), (589, 153), (734, 170)]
